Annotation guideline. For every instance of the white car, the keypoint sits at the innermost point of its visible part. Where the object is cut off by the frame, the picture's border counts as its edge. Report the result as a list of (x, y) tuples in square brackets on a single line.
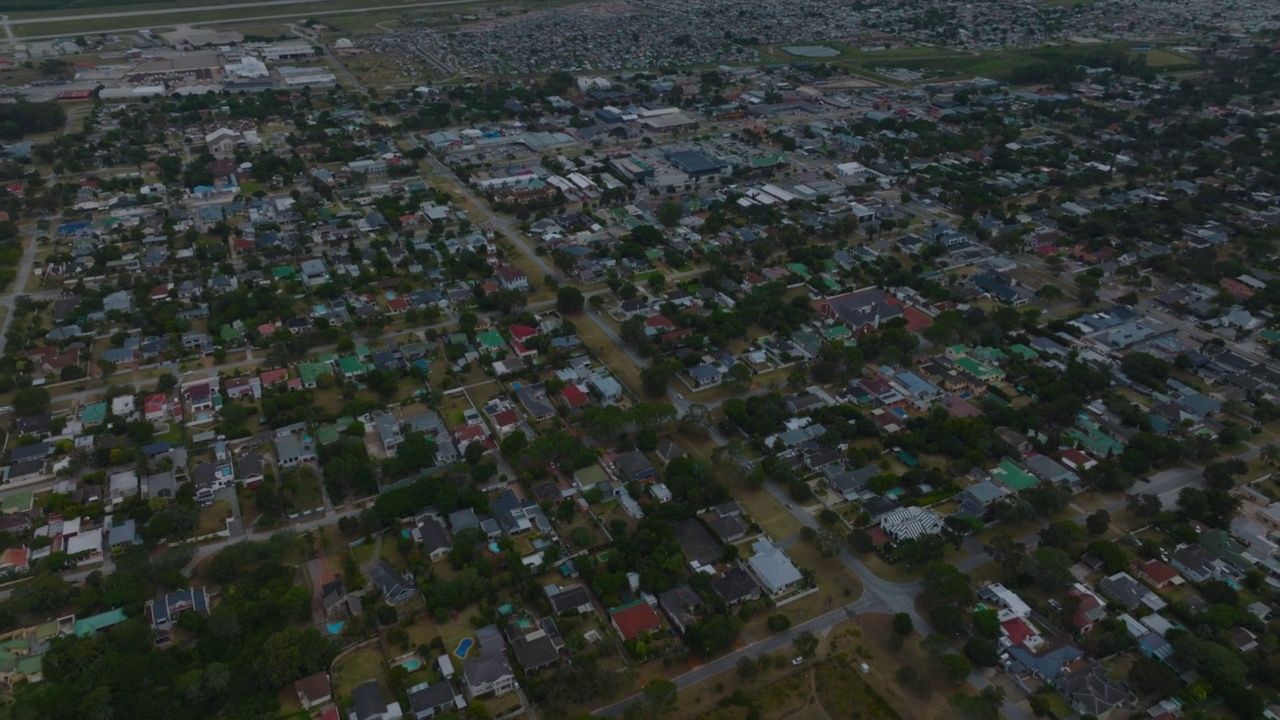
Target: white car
[(798, 660)]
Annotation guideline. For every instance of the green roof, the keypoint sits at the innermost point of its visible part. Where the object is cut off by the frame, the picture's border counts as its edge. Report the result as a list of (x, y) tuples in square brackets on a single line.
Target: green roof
[(350, 365), (989, 354), (837, 332), (980, 369), (17, 502), (328, 435), (1023, 351), (1269, 335), (767, 160), (230, 332), (91, 625), (93, 413), (1013, 476), (281, 272), (309, 372), (490, 339), (907, 458)]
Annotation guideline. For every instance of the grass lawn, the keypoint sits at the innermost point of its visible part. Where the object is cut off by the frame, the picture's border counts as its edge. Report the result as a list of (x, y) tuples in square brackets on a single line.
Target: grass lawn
[(364, 554), (867, 639), (767, 513), (357, 667), (214, 517), (1157, 58), (608, 353)]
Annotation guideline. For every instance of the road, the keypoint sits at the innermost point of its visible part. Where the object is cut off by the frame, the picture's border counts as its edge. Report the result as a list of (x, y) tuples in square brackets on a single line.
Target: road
[(725, 663)]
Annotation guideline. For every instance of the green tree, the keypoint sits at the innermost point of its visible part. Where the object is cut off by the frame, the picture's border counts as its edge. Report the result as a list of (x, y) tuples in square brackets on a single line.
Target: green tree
[(569, 300), (902, 624), (1098, 522), (31, 401), (661, 695), (805, 644)]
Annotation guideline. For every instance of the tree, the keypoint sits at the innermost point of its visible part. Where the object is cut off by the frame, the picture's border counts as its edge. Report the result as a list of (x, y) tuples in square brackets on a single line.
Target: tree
[(1007, 553), (668, 213), (1051, 568), (31, 401), (474, 453), (944, 584), (1153, 677), (569, 300), (661, 695), (956, 667), (805, 644), (1098, 522), (903, 624)]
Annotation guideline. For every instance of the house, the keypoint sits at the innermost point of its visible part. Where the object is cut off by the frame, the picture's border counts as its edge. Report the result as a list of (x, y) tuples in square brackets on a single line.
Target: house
[(517, 516), (489, 672), (535, 646), (1047, 469), (1091, 691), (1160, 575), (291, 450), (15, 560), (512, 278), (736, 585), (726, 521), (1048, 662), (389, 433), (434, 537), (633, 466), (861, 310), (1197, 564), (1129, 593), (165, 612), (239, 387), (313, 690), (909, 523), (1089, 608), (849, 484), (395, 588), (681, 604), (426, 700), (634, 619), (571, 599), (772, 568), (252, 470), (668, 451), (368, 703)]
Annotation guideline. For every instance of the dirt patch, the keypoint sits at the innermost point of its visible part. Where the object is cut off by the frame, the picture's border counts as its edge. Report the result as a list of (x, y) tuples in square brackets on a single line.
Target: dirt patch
[(868, 639)]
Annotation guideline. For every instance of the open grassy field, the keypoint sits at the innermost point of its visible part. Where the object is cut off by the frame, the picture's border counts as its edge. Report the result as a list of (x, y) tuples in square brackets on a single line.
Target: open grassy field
[(1157, 59), (356, 667)]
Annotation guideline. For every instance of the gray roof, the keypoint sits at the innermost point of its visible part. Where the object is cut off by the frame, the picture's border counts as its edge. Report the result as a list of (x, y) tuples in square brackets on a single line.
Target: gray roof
[(367, 701)]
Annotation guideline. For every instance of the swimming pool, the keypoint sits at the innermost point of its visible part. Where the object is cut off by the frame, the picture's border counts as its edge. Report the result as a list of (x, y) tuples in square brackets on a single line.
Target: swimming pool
[(335, 628), (411, 665), (464, 647)]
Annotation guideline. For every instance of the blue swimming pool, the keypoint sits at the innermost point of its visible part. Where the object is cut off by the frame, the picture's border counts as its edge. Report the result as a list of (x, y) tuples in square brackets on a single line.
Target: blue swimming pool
[(464, 647), (335, 628), (411, 665)]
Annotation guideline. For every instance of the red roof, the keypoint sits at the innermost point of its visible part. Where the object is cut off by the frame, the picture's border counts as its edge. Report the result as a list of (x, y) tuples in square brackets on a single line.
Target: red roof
[(1049, 249), (574, 397), (658, 321), (470, 432), (271, 377), (1018, 631), (522, 332), (1159, 572), (639, 618), (507, 418), (1076, 458), (156, 402), (509, 273), (266, 328)]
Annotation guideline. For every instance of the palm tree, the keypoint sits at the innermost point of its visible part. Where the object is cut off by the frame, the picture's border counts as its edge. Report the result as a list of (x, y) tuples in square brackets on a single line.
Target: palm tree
[(1271, 453)]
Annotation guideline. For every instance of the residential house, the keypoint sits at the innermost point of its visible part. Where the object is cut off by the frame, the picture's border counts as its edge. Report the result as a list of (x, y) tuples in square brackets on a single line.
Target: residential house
[(1091, 691), (1159, 574), (571, 599), (434, 537), (313, 690), (1197, 564), (634, 619), (395, 588), (736, 585), (489, 672), (1129, 593), (426, 700), (772, 568), (368, 703), (681, 605), (633, 466), (164, 613)]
